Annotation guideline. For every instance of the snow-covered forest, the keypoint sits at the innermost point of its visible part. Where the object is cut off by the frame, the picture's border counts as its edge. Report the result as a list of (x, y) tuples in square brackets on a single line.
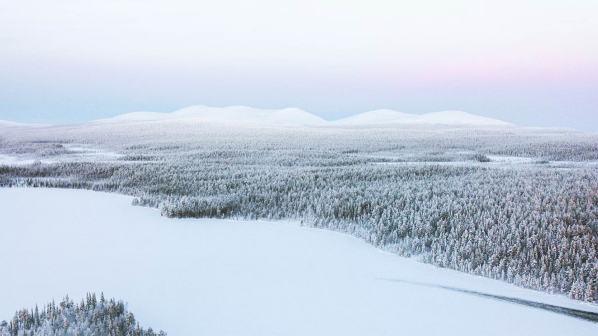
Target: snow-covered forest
[(92, 316), (514, 204)]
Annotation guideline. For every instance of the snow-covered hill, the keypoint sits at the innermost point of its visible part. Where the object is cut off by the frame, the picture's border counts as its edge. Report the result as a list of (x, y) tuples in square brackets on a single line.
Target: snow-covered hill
[(232, 113), (299, 117), (376, 117), (5, 123), (436, 118)]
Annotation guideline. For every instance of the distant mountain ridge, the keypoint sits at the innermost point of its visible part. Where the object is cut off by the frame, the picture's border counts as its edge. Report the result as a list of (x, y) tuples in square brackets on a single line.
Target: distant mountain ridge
[(296, 116), (232, 113), (435, 118), (6, 123), (300, 117)]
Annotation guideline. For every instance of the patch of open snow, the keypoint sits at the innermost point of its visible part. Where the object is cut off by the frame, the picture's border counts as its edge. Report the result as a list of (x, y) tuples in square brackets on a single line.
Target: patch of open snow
[(14, 160), (81, 151), (77, 153), (226, 277), (511, 159)]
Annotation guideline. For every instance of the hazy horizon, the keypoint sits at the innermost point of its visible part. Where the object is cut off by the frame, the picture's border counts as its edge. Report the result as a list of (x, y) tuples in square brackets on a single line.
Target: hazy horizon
[(530, 63)]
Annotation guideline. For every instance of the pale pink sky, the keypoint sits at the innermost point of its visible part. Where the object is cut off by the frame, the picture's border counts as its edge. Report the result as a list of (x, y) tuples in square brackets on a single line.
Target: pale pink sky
[(530, 62)]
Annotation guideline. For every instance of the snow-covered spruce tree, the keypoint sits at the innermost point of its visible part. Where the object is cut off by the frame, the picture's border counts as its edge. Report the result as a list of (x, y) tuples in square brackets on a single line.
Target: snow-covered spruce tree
[(90, 317)]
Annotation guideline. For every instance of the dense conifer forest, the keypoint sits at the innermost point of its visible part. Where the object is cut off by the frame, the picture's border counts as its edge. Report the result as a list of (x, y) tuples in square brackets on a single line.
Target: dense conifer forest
[(90, 317), (440, 195)]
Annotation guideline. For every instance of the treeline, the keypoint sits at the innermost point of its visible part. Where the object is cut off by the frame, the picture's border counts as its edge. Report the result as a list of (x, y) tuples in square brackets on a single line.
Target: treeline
[(167, 140), (90, 317), (534, 227)]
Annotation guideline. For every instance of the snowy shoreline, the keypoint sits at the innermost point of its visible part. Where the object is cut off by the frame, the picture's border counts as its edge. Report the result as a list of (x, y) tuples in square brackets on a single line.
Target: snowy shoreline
[(225, 277)]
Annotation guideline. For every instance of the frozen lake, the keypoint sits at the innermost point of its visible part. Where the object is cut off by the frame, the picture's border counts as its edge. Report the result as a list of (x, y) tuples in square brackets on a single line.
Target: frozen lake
[(220, 277)]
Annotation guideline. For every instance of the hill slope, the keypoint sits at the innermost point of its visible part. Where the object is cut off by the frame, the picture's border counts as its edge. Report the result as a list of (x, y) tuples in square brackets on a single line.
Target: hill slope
[(6, 123), (232, 113), (436, 118)]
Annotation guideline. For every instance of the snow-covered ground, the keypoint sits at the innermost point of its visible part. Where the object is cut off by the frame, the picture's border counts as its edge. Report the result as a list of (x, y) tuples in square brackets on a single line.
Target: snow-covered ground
[(222, 277), (512, 159), (15, 160), (87, 152), (76, 153)]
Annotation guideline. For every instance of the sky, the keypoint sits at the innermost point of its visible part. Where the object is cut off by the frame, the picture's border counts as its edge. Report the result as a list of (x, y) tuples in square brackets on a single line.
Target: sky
[(529, 62)]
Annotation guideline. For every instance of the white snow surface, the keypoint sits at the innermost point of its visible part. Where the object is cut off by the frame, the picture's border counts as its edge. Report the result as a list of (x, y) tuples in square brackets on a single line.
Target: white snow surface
[(78, 153), (15, 160), (5, 123), (225, 277), (232, 113), (383, 116), (435, 118)]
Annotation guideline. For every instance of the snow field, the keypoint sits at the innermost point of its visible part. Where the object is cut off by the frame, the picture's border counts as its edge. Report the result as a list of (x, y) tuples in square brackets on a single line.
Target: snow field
[(223, 277)]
